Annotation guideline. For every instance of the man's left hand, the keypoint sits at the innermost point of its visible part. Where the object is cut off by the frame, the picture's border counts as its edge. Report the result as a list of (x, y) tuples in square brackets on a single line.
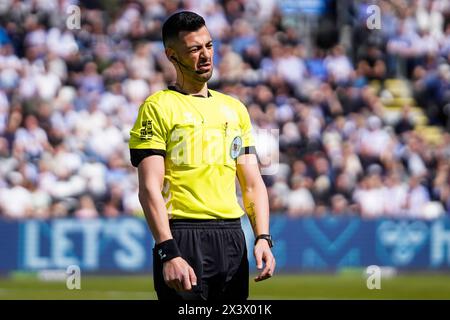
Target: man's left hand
[(263, 254)]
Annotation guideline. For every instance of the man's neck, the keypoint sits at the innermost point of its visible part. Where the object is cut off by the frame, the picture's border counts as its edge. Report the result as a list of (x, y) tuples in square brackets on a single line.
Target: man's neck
[(193, 89)]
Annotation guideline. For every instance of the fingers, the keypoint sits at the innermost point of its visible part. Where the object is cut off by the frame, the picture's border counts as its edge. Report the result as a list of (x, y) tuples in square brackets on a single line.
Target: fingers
[(258, 258), (186, 281), (268, 269), (178, 286), (179, 276), (259, 262), (172, 282), (192, 277), (181, 284), (189, 280)]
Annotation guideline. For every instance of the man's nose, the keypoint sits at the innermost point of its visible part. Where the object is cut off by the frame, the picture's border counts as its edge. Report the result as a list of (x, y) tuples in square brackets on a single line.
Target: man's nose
[(205, 53)]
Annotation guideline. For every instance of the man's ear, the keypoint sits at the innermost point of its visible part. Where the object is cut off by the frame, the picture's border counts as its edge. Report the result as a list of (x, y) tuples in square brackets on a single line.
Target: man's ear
[(170, 54)]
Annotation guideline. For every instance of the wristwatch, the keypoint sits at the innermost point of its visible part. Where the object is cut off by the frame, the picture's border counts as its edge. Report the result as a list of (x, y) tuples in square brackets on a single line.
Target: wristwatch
[(267, 237)]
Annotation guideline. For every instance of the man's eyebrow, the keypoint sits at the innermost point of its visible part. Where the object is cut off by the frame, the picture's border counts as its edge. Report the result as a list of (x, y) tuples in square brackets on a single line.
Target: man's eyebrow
[(194, 45)]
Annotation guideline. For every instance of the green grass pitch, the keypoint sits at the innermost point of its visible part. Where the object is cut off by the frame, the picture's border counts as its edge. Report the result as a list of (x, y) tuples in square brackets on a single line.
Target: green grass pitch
[(348, 286)]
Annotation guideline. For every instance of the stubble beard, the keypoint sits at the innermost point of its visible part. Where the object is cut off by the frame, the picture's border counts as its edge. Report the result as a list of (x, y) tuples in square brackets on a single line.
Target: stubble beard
[(204, 76)]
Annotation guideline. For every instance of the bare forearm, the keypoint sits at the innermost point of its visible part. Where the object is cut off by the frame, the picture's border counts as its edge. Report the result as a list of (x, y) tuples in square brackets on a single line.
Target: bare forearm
[(156, 214), (257, 208)]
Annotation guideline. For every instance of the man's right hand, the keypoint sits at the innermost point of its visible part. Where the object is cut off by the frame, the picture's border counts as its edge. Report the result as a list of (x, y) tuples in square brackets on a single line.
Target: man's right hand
[(179, 275)]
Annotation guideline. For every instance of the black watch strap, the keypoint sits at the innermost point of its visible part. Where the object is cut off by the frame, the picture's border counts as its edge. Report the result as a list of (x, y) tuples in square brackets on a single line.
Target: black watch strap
[(267, 237)]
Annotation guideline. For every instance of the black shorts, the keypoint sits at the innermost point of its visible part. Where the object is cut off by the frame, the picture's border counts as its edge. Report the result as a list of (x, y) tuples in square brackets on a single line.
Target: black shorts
[(217, 252)]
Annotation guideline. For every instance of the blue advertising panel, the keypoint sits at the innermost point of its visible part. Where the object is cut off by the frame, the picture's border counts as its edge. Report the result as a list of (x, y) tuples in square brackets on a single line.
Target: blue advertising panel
[(311, 7), (306, 244), (123, 244), (9, 251)]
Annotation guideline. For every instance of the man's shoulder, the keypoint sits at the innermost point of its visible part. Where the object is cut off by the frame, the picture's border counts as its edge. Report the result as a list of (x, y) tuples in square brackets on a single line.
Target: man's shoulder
[(160, 97)]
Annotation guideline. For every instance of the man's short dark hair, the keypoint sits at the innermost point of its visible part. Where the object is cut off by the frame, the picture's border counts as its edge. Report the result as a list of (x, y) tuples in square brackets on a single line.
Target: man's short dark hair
[(178, 22)]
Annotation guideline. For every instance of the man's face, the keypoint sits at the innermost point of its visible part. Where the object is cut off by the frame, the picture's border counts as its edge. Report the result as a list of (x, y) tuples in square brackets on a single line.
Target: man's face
[(194, 51)]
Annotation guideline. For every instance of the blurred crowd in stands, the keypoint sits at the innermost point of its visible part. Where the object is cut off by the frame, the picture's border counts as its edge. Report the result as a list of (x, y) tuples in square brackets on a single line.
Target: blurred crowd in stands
[(68, 99)]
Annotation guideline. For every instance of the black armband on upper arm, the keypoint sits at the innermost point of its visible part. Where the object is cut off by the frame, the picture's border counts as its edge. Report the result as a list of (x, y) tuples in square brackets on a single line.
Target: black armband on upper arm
[(248, 150), (137, 155)]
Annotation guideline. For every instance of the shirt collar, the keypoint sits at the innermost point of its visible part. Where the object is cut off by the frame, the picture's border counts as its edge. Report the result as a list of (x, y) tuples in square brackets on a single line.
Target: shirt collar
[(186, 94)]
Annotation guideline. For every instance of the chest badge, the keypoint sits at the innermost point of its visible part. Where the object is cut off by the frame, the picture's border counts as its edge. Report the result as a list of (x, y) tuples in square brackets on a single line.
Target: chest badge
[(235, 148)]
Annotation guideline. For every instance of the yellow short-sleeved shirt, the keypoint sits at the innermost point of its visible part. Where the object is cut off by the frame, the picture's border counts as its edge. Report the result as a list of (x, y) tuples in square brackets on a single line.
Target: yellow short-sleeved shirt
[(200, 139)]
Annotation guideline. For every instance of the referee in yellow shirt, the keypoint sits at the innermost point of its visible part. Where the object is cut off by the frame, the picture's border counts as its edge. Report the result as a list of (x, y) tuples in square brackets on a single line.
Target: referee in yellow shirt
[(189, 143)]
